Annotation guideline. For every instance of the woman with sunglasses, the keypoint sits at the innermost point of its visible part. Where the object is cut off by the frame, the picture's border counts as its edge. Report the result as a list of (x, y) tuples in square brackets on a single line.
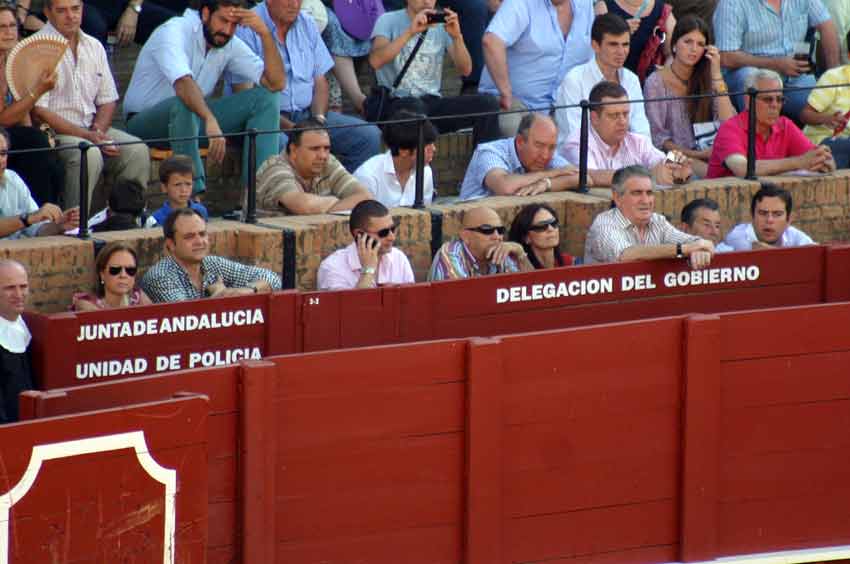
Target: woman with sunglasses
[(116, 285), (695, 69), (40, 171), (536, 228)]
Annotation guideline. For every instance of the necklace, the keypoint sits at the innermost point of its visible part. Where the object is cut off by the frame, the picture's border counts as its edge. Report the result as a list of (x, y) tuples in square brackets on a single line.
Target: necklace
[(684, 81)]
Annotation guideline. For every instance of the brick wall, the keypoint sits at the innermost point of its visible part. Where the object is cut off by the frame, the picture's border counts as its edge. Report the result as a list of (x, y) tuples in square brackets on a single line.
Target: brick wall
[(61, 265)]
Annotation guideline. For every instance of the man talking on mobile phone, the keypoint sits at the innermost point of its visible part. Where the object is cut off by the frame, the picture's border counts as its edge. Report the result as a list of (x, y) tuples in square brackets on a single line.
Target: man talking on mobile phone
[(370, 260)]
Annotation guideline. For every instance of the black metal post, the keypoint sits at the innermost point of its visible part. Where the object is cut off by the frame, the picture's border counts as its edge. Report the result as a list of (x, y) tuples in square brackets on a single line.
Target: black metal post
[(582, 144), (288, 275), (419, 199), (751, 135), (84, 147), (250, 215)]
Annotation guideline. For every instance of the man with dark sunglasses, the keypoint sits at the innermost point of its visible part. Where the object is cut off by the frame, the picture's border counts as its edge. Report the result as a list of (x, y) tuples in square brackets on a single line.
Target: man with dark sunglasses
[(371, 260), (780, 145), (479, 250)]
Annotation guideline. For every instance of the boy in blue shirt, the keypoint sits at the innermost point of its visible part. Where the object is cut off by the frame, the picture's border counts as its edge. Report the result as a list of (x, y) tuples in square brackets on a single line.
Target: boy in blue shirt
[(175, 174)]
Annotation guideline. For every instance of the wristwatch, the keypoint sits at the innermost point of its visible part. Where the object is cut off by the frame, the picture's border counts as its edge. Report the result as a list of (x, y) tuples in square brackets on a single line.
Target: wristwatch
[(24, 217), (367, 270), (679, 253), (136, 5)]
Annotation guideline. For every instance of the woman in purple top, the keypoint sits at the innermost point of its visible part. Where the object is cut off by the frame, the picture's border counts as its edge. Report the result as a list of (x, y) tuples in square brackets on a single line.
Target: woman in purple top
[(694, 69)]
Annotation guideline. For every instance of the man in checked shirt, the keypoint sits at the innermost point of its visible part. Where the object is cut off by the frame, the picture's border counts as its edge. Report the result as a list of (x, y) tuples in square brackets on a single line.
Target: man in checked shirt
[(633, 231), (189, 272)]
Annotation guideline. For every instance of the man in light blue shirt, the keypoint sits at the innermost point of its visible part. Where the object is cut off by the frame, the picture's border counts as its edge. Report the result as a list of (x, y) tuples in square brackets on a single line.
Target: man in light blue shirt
[(754, 34), (393, 39), (306, 60), (524, 165), (529, 47), (771, 209), (177, 70), (610, 38)]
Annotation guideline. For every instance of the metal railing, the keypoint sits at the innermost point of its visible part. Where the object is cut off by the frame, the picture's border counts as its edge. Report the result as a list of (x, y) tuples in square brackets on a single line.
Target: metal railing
[(250, 213)]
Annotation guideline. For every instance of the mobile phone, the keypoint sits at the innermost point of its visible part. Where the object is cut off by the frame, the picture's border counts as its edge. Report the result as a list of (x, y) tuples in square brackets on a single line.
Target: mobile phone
[(438, 16)]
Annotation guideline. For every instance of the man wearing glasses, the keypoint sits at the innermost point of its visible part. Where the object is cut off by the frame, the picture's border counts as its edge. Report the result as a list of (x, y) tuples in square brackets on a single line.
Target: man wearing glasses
[(371, 260), (780, 145), (479, 250)]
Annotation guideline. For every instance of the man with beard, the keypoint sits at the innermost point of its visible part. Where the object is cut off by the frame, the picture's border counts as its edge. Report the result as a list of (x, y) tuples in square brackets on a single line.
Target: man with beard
[(371, 260), (177, 71), (189, 272)]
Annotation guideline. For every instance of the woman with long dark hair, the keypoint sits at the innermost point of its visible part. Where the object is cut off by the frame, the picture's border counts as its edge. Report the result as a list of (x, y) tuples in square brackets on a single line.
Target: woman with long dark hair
[(694, 69), (536, 228)]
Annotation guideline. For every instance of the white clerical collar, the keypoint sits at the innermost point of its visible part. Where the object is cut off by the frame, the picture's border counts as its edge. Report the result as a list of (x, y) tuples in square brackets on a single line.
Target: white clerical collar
[(14, 335)]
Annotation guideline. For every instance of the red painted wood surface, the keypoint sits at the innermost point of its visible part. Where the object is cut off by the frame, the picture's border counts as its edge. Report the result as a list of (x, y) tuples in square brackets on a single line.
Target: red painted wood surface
[(104, 506)]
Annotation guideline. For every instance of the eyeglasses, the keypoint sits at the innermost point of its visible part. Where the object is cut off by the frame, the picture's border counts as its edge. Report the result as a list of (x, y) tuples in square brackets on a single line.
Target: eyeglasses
[(771, 99), (544, 225), (116, 270), (385, 232), (487, 229)]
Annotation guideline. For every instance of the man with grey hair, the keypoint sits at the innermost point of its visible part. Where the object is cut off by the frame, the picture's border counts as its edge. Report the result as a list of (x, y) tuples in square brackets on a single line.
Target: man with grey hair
[(523, 165), (15, 369), (780, 145), (633, 231)]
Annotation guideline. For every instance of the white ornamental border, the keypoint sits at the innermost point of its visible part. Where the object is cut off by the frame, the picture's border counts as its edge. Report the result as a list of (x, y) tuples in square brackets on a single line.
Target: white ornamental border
[(67, 449)]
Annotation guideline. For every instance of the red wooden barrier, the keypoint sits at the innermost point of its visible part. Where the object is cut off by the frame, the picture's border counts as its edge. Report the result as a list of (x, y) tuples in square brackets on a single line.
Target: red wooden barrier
[(121, 485)]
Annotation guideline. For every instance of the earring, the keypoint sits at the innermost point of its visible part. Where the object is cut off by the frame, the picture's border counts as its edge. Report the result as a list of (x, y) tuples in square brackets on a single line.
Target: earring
[(101, 281)]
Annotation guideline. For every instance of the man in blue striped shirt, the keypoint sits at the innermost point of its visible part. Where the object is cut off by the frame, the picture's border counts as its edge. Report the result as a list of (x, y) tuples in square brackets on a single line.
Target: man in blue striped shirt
[(755, 34)]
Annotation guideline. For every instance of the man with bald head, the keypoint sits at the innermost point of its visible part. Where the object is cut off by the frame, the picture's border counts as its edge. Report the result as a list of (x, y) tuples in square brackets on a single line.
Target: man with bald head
[(15, 370), (479, 250), (523, 165)]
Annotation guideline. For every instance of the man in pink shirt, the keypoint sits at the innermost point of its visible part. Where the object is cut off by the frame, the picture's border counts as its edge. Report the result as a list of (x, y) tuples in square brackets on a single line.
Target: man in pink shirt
[(780, 145), (611, 146), (371, 260)]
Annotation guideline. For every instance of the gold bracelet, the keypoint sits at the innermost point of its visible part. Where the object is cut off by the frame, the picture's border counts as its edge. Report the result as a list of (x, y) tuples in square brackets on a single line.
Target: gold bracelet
[(721, 89)]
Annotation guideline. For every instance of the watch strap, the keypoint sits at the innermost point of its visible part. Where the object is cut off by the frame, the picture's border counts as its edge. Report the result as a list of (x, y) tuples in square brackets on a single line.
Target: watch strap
[(679, 253)]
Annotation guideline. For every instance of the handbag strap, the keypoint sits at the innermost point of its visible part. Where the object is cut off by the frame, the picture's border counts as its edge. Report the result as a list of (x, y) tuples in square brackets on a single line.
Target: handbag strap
[(409, 60), (640, 10)]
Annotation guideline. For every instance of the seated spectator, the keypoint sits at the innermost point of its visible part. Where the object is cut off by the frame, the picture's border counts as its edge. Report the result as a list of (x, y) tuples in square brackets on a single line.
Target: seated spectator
[(306, 60), (694, 70), (131, 20), (80, 107), (610, 42), (524, 165), (15, 368), (370, 260), (479, 250), (771, 227), (125, 210), (643, 24), (307, 179), (175, 177), (176, 73), (780, 145), (393, 40), (701, 217), (527, 55), (345, 48), (189, 272), (20, 216), (41, 171), (610, 144), (535, 227), (116, 267), (391, 177), (633, 231), (760, 35), (839, 11), (825, 114)]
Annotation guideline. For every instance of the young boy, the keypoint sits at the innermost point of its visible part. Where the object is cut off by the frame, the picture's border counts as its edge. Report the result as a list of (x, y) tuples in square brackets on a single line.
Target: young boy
[(175, 174)]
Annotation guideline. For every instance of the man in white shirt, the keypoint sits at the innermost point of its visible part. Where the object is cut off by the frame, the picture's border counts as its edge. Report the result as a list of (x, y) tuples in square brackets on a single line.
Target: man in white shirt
[(391, 176), (771, 209), (178, 69), (80, 107), (610, 38)]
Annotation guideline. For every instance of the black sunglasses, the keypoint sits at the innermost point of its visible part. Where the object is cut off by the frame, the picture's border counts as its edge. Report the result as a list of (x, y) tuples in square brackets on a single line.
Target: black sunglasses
[(385, 232), (544, 225), (487, 229), (116, 270)]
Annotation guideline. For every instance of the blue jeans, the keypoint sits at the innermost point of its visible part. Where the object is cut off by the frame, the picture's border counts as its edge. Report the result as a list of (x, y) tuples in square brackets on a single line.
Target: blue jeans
[(351, 145), (840, 150), (794, 101), (253, 108)]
